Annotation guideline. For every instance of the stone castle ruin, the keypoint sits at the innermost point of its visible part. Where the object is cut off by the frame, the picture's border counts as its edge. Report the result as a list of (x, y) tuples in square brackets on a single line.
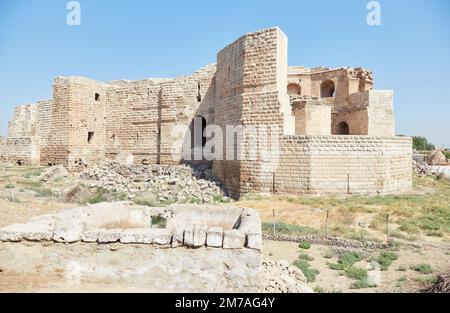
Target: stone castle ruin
[(330, 131)]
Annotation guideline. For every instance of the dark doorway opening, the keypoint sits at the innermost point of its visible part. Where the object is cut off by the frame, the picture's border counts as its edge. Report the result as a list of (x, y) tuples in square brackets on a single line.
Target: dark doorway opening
[(343, 128)]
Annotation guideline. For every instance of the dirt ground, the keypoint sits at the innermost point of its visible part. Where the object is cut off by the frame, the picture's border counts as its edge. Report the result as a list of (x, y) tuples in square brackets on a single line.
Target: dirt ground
[(398, 278)]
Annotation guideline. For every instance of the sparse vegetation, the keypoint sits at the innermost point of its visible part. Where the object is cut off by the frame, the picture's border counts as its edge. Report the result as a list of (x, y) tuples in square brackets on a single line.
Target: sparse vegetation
[(304, 245), (9, 186), (305, 267), (422, 268), (346, 260), (287, 229), (158, 221), (385, 259), (304, 256), (42, 192)]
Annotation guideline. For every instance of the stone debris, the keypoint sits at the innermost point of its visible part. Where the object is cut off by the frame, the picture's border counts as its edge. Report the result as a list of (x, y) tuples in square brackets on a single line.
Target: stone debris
[(52, 173), (423, 170), (280, 277), (156, 183), (419, 169)]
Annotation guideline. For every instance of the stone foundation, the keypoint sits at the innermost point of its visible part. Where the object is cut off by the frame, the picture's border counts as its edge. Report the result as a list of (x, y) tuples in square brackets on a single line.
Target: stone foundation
[(201, 248)]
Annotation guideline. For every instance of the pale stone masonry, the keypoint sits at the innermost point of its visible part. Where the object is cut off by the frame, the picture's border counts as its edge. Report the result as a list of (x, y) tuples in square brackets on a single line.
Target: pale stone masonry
[(334, 133), (95, 239)]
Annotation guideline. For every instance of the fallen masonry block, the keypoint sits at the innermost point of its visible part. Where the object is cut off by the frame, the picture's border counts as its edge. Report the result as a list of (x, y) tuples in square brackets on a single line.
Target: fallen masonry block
[(233, 239), (214, 237)]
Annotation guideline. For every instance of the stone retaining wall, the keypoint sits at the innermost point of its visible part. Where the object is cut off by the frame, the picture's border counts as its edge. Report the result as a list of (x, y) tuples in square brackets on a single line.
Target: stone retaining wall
[(115, 241)]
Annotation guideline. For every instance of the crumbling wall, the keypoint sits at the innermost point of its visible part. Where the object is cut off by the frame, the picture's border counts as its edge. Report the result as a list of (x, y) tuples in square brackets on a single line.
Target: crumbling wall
[(23, 123), (20, 151)]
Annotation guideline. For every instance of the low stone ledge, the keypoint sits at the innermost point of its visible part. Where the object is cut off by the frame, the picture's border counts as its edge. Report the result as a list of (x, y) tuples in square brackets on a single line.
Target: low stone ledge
[(31, 232), (109, 235)]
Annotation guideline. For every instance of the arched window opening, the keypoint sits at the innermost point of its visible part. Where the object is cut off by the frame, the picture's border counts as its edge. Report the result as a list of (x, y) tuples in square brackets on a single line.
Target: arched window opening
[(343, 128), (327, 89), (294, 89)]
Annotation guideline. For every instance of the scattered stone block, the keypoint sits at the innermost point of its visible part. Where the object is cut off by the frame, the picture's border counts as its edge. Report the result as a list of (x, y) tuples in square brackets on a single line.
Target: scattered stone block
[(177, 238)]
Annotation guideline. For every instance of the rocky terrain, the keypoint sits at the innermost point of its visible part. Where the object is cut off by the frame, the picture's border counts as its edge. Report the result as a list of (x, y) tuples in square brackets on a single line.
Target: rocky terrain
[(280, 277), (151, 183)]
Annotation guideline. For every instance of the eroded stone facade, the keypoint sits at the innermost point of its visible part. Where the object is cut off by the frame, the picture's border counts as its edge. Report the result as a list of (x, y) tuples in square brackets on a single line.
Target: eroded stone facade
[(330, 132)]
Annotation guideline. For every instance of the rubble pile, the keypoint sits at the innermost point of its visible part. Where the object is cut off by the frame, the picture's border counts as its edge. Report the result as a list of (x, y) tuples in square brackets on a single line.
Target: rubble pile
[(280, 277), (160, 183)]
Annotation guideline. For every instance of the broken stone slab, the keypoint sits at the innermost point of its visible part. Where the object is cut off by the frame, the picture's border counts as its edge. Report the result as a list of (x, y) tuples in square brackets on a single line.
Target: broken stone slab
[(109, 235), (233, 239), (177, 238), (214, 237), (30, 231), (66, 232), (199, 236)]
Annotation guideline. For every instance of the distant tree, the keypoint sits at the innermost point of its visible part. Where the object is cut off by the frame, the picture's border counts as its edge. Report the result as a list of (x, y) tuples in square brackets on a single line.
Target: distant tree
[(421, 143)]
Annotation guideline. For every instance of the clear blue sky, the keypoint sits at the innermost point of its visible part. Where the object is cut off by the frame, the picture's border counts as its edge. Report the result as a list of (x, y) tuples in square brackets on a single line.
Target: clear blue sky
[(130, 39)]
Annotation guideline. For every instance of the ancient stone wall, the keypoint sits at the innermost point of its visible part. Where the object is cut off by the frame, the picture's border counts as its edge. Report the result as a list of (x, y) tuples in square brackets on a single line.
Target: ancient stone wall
[(94, 243), (344, 165), (20, 151)]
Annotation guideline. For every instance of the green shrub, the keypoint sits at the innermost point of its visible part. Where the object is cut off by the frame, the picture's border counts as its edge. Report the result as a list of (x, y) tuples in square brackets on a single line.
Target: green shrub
[(304, 256), (422, 268), (158, 221), (287, 229), (329, 254), (356, 273), (305, 267), (304, 245), (360, 284), (319, 289), (9, 186), (346, 260), (385, 259)]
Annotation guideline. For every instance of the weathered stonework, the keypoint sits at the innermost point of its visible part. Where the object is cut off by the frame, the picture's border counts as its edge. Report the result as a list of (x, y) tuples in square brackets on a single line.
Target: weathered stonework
[(333, 133), (117, 241)]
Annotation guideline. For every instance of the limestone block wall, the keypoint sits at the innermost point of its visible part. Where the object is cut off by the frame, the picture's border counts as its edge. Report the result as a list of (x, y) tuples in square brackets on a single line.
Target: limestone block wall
[(23, 123), (251, 82), (23, 151), (344, 165), (78, 123), (312, 118), (147, 121)]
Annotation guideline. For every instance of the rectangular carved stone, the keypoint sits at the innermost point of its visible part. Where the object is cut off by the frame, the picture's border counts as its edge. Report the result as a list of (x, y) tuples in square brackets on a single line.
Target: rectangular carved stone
[(214, 237), (233, 239)]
